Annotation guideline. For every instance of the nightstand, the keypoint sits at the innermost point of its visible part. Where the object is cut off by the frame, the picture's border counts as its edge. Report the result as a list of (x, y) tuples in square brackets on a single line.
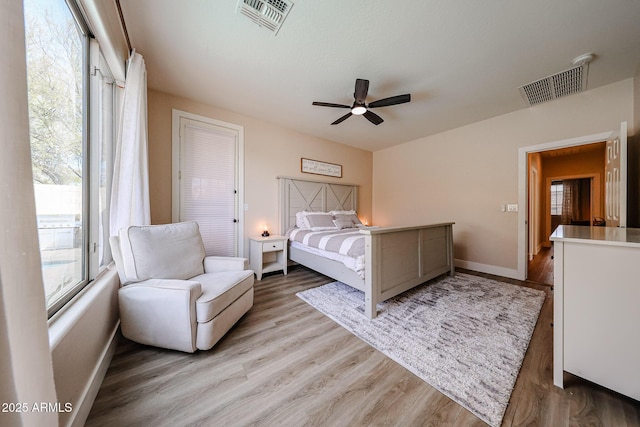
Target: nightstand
[(268, 254)]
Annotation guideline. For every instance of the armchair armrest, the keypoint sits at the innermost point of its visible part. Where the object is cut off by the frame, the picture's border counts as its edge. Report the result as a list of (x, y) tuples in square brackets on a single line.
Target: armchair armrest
[(160, 312), (215, 264)]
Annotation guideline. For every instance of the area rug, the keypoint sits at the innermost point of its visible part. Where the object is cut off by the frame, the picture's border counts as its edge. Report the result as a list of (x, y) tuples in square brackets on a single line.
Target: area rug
[(465, 335)]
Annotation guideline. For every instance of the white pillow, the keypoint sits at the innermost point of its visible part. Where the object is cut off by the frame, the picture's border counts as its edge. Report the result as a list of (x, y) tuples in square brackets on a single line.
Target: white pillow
[(349, 212), (343, 222), (166, 251), (350, 216), (319, 221), (300, 223)]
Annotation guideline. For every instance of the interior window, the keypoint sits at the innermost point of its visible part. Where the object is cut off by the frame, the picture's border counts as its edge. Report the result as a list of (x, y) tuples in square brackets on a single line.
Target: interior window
[(556, 198)]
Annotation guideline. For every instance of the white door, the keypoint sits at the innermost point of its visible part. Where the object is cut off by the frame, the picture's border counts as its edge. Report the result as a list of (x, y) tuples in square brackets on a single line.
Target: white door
[(616, 179), (208, 183)]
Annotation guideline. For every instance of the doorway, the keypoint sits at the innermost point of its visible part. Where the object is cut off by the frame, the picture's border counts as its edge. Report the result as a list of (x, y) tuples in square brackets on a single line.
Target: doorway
[(568, 190), (524, 173), (207, 157)]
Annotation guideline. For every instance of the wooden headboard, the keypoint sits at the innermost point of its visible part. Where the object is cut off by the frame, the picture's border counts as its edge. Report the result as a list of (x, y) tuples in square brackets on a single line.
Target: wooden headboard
[(298, 195)]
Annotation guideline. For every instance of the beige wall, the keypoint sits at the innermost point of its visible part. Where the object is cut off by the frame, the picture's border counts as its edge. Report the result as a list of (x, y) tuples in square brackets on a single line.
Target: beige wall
[(270, 151), (466, 174), (633, 219)]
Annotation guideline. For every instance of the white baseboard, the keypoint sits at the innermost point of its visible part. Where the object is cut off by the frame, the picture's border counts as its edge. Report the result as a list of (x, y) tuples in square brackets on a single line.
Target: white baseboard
[(81, 413), (486, 268)]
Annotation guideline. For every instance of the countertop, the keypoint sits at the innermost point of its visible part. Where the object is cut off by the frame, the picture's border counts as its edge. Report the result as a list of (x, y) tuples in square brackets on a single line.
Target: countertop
[(614, 236)]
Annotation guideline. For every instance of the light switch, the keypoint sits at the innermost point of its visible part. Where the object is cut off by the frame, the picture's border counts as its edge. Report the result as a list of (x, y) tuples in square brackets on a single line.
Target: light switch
[(512, 208)]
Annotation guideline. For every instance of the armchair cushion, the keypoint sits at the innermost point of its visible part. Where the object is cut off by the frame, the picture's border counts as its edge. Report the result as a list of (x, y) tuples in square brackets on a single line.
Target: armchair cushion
[(220, 290), (172, 251)]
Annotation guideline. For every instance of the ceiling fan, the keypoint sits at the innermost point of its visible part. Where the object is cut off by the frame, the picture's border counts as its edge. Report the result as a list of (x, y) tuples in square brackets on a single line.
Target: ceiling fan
[(359, 106)]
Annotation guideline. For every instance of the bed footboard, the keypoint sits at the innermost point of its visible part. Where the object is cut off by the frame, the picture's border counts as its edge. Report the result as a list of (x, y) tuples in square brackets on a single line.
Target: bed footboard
[(400, 258)]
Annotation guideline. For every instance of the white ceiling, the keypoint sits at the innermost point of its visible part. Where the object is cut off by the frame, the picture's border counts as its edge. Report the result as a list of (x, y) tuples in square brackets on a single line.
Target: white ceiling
[(462, 61)]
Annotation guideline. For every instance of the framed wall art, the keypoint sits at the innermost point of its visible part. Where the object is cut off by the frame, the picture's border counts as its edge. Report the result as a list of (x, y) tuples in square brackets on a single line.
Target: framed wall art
[(320, 168)]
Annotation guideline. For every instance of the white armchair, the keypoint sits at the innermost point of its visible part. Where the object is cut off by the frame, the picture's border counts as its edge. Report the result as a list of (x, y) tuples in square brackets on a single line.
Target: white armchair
[(172, 296)]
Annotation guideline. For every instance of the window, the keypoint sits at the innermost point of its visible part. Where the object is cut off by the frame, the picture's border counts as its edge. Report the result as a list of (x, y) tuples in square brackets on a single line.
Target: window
[(556, 198), (71, 172)]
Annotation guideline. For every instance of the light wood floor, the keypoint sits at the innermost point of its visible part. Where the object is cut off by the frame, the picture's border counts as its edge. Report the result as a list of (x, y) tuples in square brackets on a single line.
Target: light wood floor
[(286, 364)]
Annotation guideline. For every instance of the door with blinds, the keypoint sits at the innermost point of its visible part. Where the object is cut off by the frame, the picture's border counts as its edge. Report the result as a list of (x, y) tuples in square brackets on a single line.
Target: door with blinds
[(208, 184)]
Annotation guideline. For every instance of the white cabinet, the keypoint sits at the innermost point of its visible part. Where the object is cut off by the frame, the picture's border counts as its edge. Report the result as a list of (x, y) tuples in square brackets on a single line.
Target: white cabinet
[(268, 254), (597, 306)]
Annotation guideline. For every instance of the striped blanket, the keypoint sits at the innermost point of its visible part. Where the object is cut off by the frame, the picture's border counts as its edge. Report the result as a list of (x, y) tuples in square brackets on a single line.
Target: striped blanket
[(348, 242)]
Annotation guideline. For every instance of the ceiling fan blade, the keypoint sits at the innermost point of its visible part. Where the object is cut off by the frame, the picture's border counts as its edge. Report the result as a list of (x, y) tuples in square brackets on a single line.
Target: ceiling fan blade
[(328, 104), (343, 118), (394, 100), (362, 88), (373, 117)]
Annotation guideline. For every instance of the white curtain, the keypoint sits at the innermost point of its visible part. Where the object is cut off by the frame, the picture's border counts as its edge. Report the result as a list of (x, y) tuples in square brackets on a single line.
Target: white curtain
[(130, 190), (26, 372)]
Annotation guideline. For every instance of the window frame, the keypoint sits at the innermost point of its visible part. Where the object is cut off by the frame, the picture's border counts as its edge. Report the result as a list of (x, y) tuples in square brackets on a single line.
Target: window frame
[(99, 71)]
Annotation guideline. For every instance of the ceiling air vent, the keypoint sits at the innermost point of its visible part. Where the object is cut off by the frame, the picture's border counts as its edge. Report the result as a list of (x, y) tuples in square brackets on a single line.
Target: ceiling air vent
[(568, 82), (269, 14)]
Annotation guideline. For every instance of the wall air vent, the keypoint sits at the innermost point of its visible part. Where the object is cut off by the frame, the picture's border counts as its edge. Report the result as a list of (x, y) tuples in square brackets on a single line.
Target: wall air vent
[(568, 82), (269, 14)]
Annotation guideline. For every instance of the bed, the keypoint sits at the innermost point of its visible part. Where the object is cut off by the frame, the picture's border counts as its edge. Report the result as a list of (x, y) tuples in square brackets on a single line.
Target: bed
[(395, 259)]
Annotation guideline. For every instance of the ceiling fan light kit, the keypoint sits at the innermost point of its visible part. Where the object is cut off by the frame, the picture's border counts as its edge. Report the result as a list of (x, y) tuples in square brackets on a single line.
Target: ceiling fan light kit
[(361, 108)]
